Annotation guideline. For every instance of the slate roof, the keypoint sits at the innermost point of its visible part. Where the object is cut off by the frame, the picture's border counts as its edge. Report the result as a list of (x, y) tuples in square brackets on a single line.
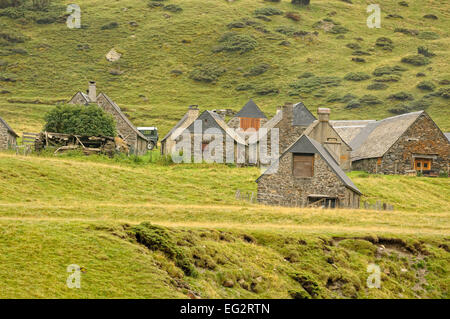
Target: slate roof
[(349, 129), (119, 111), (447, 135), (251, 110), (307, 145), (213, 120), (2, 121), (301, 115)]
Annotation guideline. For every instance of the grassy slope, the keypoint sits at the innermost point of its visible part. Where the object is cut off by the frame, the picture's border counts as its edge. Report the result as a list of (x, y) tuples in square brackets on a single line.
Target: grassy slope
[(50, 219), (54, 69)]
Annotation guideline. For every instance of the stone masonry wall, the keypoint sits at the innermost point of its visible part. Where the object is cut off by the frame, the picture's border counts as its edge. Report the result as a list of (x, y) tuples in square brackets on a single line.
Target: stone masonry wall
[(3, 137), (287, 132), (283, 189)]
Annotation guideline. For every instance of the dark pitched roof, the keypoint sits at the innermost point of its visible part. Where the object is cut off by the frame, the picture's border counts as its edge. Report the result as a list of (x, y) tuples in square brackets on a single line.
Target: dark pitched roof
[(301, 115), (307, 145), (119, 111), (213, 120), (251, 110), (2, 121), (447, 135)]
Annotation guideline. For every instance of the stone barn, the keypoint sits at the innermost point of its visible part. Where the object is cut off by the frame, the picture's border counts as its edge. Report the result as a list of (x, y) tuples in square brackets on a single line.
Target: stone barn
[(125, 129), (169, 141), (307, 175), (401, 144), (214, 127), (249, 117), (8, 138)]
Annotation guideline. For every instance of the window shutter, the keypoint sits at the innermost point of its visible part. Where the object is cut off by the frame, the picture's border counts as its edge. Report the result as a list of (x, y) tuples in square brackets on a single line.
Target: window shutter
[(303, 165)]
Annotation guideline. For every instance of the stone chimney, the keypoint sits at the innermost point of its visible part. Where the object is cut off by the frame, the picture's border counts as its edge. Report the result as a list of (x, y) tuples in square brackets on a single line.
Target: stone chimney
[(92, 92), (324, 114), (193, 112)]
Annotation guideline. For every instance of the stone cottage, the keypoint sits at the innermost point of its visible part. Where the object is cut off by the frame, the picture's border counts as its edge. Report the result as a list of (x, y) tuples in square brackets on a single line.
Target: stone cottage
[(7, 136), (249, 117), (401, 144), (169, 141), (307, 175), (125, 129), (210, 127)]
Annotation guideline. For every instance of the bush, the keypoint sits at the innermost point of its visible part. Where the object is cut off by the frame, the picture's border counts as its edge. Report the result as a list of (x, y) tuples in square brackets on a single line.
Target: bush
[(417, 60), (268, 11), (377, 86), (11, 3), (338, 29), (388, 70), (353, 46), (244, 87), (266, 90), (293, 16), (370, 100), (401, 96), (426, 85), (12, 37), (312, 83), (80, 120), (258, 69), (356, 76), (406, 31), (207, 73), (428, 35), (173, 8), (353, 104), (385, 43), (109, 26), (430, 16), (388, 78), (425, 52), (301, 2), (232, 42)]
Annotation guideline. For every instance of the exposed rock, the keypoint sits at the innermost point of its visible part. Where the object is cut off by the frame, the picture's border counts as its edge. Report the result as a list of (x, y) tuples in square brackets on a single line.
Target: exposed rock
[(113, 55)]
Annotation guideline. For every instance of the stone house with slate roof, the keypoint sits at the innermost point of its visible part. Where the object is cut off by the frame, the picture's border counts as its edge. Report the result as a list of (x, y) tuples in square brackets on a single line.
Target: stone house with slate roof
[(8, 138), (169, 141), (125, 129), (213, 127), (249, 117), (307, 174), (401, 144)]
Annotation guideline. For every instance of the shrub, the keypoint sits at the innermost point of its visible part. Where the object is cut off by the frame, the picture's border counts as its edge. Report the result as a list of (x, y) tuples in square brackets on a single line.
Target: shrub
[(415, 60), (377, 86), (425, 52), (426, 85), (293, 16), (385, 43), (109, 26), (443, 92), (268, 11), (299, 294), (359, 52), (266, 90), (7, 77), (358, 59), (12, 37), (300, 2), (173, 8), (354, 46), (406, 31), (403, 4), (353, 104), (386, 70), (356, 76), (312, 83), (420, 74), (402, 96), (370, 100), (207, 73), (428, 35), (232, 42), (338, 29), (244, 87), (80, 120), (388, 78), (10, 3), (430, 16), (258, 69)]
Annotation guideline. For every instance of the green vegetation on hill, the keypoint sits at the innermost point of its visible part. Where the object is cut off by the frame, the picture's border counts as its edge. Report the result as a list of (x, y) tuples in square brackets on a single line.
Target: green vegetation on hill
[(147, 230), (182, 52)]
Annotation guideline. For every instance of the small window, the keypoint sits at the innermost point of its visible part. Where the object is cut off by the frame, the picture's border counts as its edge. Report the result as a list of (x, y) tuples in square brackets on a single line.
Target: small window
[(303, 165)]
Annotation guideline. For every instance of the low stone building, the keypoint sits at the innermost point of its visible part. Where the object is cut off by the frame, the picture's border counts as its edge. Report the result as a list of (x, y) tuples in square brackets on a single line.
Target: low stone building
[(169, 141), (307, 175), (208, 128), (400, 144), (249, 117), (125, 129), (8, 138)]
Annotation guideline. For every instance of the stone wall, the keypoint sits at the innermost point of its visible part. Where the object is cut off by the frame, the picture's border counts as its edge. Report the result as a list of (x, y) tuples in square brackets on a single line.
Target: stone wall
[(7, 140), (287, 132), (423, 137), (283, 189)]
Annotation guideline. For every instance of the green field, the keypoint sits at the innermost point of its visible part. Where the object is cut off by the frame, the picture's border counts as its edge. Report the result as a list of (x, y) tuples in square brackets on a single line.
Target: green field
[(58, 61), (57, 211), (94, 211)]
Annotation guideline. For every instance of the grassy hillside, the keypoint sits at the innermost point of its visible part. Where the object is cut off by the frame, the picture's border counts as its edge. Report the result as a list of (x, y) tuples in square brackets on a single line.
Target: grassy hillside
[(43, 62), (50, 218)]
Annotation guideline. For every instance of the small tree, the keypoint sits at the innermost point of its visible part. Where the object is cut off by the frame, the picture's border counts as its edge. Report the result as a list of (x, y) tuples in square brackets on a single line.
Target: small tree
[(80, 120), (301, 2)]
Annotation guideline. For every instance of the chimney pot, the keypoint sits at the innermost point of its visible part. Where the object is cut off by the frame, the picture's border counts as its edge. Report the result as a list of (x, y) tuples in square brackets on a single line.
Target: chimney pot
[(324, 114)]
